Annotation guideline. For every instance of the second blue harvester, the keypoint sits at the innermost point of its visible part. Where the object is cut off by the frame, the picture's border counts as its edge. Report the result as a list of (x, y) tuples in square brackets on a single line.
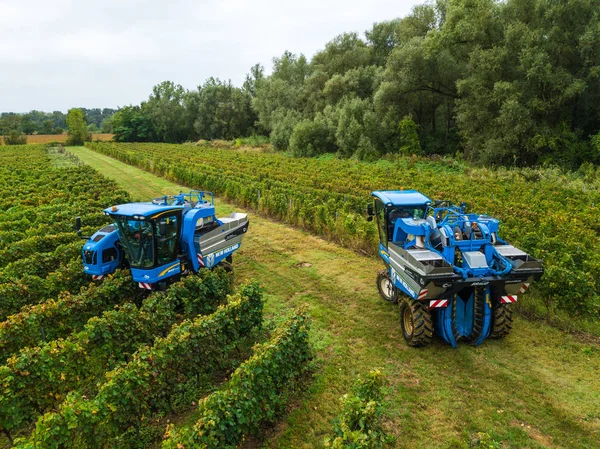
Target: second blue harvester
[(448, 269)]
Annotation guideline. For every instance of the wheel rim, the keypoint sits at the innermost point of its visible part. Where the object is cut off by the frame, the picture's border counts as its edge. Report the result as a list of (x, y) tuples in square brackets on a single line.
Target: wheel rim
[(387, 288), (407, 320)]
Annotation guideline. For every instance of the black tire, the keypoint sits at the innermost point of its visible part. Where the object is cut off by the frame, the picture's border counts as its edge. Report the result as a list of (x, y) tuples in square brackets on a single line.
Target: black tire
[(416, 323), (386, 287), (502, 322), (478, 314)]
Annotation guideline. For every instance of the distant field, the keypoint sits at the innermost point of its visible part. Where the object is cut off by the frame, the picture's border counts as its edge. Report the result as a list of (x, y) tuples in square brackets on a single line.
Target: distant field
[(45, 138)]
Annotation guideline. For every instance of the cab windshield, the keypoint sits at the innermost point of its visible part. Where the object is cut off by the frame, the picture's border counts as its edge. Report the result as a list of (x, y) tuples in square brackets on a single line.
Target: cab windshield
[(137, 237)]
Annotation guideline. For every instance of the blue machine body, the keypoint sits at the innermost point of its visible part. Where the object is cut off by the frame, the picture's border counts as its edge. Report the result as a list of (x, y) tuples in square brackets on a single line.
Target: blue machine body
[(161, 239), (452, 261), (102, 254)]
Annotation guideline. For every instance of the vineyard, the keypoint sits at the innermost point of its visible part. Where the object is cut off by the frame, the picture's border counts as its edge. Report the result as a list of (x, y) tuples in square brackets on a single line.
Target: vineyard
[(549, 213), (103, 365)]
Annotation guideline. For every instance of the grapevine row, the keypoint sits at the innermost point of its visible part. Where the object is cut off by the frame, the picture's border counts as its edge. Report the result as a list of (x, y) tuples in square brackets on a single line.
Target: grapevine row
[(539, 208), (143, 387), (39, 377), (254, 395), (55, 318)]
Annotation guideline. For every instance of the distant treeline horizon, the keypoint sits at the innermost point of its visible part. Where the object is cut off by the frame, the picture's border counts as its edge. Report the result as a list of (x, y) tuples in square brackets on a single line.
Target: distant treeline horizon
[(40, 122), (514, 82)]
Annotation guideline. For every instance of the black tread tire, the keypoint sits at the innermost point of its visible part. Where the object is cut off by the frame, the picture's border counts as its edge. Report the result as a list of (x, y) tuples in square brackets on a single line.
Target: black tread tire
[(385, 275), (478, 312), (502, 322), (422, 331)]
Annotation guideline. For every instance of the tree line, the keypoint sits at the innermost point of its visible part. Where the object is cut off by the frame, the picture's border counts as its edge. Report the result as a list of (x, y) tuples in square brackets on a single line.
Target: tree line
[(38, 122), (512, 82)]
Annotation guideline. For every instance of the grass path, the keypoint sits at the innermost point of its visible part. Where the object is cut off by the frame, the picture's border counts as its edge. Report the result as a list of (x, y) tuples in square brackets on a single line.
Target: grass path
[(537, 388)]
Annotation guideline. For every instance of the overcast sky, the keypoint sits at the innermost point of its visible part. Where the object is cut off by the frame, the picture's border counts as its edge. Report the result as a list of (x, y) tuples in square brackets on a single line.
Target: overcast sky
[(59, 54)]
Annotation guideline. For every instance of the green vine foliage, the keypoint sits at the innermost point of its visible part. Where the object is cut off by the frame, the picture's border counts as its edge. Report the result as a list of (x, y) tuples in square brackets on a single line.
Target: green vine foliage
[(359, 424), (136, 391), (56, 318), (40, 377), (255, 394), (39, 249), (550, 213)]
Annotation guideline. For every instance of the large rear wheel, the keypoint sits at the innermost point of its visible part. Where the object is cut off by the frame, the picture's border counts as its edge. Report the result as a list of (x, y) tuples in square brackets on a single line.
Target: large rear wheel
[(503, 319), (416, 323), (386, 287)]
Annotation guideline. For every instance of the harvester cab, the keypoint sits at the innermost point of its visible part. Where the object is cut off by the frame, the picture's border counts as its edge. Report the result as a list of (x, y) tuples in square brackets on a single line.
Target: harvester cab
[(451, 273), (164, 238)]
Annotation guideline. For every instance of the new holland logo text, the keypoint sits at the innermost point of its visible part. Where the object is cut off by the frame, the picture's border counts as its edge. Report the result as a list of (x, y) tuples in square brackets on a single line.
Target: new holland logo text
[(210, 258), (397, 278)]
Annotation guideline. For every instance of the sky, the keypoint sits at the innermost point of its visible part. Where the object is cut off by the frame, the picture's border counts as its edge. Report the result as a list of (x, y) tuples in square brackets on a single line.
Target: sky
[(59, 54)]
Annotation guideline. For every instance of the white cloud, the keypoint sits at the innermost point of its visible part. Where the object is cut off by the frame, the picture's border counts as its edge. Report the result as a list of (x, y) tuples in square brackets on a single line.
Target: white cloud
[(55, 55)]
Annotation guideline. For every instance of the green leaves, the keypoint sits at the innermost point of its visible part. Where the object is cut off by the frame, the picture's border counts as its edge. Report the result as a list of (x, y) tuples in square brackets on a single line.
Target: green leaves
[(144, 386), (254, 395), (359, 424)]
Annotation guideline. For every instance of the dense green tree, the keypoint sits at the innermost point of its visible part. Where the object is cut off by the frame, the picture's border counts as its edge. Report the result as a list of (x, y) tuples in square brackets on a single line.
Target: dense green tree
[(409, 138), (222, 111), (77, 128), (533, 96), (347, 51), (47, 127), (167, 112), (284, 122), (311, 138), (131, 125)]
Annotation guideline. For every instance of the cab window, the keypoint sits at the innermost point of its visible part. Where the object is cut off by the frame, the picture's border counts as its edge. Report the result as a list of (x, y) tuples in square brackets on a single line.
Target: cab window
[(167, 237), (380, 214)]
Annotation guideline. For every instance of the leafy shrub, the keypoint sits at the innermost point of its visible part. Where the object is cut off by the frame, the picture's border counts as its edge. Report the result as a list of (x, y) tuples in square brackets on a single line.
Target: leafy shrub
[(134, 392), (252, 141), (409, 139), (311, 138), (254, 395), (15, 137), (284, 122), (359, 424)]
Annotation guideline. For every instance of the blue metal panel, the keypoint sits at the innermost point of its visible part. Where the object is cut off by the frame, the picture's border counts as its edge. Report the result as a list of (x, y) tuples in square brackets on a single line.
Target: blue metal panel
[(212, 259), (104, 241), (190, 221), (154, 275), (140, 209), (401, 284), (401, 197), (384, 254)]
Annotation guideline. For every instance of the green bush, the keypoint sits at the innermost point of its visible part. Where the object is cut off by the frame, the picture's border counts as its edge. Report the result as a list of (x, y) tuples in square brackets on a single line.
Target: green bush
[(15, 137), (359, 424), (254, 395), (311, 138), (137, 391)]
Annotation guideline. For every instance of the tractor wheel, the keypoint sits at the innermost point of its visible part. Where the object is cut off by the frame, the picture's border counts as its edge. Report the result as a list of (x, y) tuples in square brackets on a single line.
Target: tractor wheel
[(478, 312), (416, 323), (503, 319), (386, 287), (228, 269)]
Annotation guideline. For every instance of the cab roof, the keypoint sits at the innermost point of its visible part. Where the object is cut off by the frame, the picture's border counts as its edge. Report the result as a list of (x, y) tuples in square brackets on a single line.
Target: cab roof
[(147, 210), (401, 197)]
